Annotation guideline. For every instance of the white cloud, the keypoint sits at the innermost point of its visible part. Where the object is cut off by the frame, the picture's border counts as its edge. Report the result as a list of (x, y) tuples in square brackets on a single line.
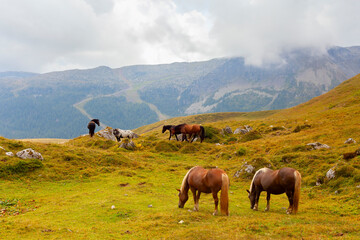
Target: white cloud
[(48, 35)]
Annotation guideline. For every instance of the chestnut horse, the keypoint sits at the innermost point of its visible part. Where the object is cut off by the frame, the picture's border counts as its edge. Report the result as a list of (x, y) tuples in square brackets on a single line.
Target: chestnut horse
[(91, 126), (286, 180), (174, 130), (194, 129), (201, 180)]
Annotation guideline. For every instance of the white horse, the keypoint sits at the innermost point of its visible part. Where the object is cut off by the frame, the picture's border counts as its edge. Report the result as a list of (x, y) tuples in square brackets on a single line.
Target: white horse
[(119, 133)]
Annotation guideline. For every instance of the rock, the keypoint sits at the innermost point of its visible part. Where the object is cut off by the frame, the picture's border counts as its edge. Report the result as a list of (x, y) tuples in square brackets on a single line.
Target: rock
[(10, 154), (244, 130), (317, 145), (127, 145), (2, 148), (29, 153), (330, 174), (350, 140), (107, 133), (227, 129), (113, 207), (150, 206), (244, 168), (181, 221)]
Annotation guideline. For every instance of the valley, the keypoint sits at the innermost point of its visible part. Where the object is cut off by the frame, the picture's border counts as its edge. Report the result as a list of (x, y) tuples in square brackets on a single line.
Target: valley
[(89, 188)]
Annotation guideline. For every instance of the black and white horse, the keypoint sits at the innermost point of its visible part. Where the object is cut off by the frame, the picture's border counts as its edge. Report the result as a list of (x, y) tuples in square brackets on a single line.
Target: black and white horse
[(119, 133)]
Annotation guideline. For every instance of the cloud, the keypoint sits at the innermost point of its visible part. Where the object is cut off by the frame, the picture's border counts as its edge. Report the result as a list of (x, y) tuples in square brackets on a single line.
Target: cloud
[(48, 35)]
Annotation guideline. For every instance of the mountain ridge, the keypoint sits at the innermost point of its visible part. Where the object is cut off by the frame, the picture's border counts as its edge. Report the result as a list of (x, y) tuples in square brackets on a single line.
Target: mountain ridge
[(43, 105)]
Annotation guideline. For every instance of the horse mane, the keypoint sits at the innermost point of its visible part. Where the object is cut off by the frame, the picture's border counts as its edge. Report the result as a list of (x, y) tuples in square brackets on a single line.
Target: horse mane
[(183, 184), (256, 173)]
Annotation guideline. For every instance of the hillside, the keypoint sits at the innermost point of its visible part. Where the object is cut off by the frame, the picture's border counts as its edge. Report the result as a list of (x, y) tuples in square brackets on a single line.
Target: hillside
[(59, 104), (89, 188)]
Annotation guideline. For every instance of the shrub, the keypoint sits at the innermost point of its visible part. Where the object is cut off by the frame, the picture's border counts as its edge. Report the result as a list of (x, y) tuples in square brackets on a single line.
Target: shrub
[(166, 146), (241, 151), (298, 128), (211, 134), (345, 171), (21, 167), (250, 136)]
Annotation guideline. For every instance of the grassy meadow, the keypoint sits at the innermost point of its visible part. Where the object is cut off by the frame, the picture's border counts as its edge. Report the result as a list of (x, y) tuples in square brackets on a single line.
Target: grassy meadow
[(89, 188)]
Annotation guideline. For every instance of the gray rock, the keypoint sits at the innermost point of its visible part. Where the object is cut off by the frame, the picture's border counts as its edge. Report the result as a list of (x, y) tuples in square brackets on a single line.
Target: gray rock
[(107, 133), (244, 168), (2, 148), (330, 174), (227, 129), (243, 130), (10, 154), (127, 145), (317, 145), (29, 153), (349, 141)]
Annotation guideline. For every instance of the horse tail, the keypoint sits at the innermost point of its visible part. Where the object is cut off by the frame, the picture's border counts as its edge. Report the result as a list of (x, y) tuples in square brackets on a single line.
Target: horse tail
[(296, 191), (202, 133), (91, 127), (224, 196)]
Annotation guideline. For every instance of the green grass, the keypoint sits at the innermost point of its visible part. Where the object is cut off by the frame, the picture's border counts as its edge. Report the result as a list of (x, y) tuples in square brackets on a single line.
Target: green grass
[(70, 193)]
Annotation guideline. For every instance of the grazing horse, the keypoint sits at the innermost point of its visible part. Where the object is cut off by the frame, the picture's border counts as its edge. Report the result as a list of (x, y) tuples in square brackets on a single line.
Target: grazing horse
[(119, 133), (286, 180), (206, 181), (174, 130), (91, 126), (194, 129)]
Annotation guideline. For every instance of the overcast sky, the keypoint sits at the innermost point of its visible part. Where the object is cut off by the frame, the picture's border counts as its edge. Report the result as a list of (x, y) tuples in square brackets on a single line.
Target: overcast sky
[(50, 35)]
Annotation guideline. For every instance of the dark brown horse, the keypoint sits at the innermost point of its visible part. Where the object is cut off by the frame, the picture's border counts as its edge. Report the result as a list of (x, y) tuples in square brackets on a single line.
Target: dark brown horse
[(286, 180), (199, 180), (193, 130), (174, 130), (91, 126)]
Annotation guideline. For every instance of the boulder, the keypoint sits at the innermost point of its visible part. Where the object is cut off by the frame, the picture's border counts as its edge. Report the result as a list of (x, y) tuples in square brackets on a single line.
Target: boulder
[(10, 154), (349, 141), (243, 130), (330, 174), (127, 145), (227, 130), (317, 145), (107, 133), (244, 168), (29, 153)]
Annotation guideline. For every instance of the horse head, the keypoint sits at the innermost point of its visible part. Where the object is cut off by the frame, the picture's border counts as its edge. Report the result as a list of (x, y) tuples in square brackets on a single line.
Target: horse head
[(96, 121), (183, 197), (117, 134), (251, 196)]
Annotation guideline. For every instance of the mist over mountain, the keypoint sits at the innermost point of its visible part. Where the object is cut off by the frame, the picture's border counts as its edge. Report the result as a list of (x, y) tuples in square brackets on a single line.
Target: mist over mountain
[(59, 104)]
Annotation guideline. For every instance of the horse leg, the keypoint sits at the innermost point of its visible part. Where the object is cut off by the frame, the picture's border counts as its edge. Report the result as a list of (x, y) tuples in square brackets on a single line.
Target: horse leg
[(257, 196), (196, 206), (268, 202), (290, 195), (216, 201), (197, 200)]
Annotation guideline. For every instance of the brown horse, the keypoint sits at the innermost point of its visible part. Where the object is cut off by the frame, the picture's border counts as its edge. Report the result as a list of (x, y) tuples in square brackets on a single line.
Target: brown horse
[(193, 129), (91, 126), (286, 180), (174, 130), (201, 180)]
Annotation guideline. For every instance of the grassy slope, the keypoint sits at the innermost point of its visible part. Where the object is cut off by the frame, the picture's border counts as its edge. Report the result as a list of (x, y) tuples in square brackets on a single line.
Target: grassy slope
[(72, 194)]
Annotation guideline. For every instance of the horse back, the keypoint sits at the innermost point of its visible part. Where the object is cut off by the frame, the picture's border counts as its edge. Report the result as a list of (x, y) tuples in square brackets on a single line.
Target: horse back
[(206, 181), (278, 181)]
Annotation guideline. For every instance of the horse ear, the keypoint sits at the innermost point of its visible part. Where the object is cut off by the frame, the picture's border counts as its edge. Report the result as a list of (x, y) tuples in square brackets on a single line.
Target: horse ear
[(177, 189), (248, 191)]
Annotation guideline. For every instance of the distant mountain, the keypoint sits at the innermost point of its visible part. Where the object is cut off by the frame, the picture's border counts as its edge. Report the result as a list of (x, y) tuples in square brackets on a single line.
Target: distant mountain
[(59, 104)]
